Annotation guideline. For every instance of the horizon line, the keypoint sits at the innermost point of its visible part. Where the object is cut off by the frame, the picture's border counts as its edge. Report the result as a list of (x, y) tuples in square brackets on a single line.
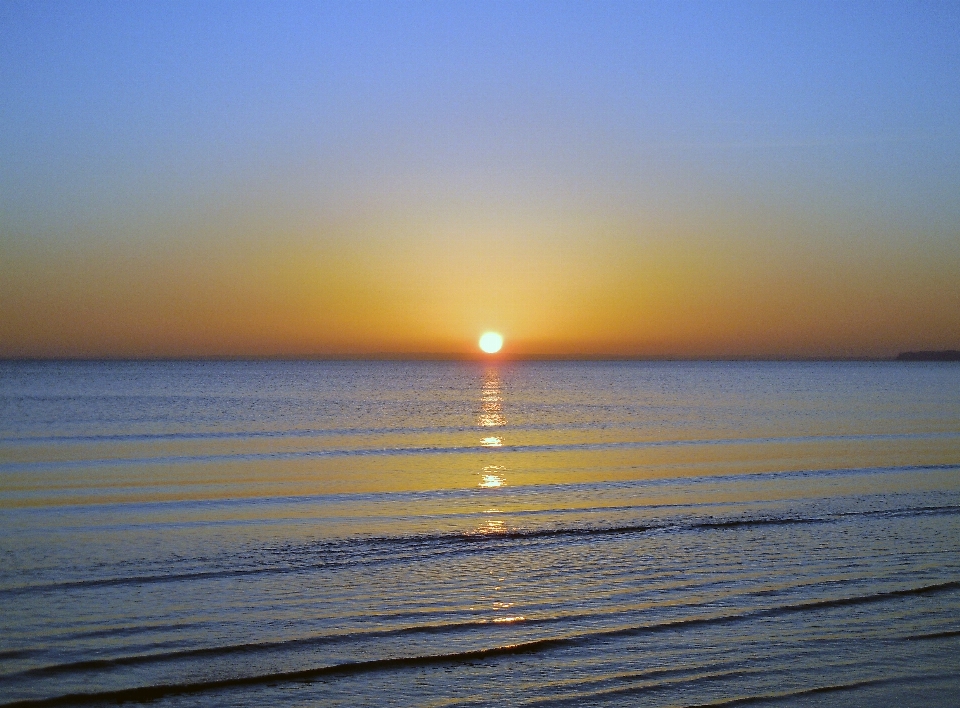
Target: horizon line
[(477, 358)]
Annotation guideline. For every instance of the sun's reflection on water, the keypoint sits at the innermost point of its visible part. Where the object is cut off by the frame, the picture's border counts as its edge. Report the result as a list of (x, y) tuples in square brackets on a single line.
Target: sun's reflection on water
[(491, 409), (492, 526), (491, 401), (499, 604), (492, 477)]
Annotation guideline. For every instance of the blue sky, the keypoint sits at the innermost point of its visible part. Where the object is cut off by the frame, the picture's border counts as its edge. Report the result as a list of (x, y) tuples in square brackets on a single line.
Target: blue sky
[(810, 131)]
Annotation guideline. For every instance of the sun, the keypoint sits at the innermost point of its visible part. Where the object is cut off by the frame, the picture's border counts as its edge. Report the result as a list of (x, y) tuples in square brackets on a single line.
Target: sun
[(491, 342)]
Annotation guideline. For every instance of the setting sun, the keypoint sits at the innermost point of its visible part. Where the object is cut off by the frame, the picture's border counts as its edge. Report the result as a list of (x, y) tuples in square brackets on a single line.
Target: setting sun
[(491, 342)]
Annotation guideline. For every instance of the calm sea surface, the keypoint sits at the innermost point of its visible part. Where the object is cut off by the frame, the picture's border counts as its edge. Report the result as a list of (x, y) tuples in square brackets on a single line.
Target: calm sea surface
[(450, 534)]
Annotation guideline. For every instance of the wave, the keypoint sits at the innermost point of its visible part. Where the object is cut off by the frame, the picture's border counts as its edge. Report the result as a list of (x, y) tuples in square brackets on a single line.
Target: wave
[(813, 605), (691, 678), (448, 450), (352, 548), (421, 430), (665, 679), (940, 510), (735, 523), (515, 491), (367, 550), (934, 635), (363, 550), (152, 693), (114, 632), (7, 654), (254, 647), (149, 693), (831, 688), (762, 698)]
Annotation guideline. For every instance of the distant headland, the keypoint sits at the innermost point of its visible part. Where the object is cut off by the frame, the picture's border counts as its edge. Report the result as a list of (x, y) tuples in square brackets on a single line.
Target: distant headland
[(944, 355)]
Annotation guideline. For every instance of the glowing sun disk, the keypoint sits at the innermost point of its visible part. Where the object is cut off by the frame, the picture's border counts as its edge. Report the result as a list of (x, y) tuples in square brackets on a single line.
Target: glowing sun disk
[(491, 342)]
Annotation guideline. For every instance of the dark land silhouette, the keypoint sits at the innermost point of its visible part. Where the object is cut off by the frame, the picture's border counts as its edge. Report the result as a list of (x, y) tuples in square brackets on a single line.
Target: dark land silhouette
[(944, 355)]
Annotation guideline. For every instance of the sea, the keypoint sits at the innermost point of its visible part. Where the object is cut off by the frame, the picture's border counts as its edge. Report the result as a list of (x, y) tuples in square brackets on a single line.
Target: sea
[(404, 533)]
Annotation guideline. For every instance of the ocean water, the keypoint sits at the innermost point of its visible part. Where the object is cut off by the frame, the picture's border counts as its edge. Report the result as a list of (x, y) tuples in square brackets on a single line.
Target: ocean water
[(451, 534)]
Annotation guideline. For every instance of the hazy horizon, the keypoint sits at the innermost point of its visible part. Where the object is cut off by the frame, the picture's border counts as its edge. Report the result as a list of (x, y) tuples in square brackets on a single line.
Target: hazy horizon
[(643, 180), (480, 358)]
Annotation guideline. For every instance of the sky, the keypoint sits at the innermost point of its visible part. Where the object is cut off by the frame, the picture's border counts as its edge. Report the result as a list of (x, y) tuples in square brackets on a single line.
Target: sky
[(653, 179)]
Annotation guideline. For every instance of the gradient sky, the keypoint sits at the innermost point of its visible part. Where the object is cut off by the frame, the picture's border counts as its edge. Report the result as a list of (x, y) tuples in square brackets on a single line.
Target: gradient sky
[(670, 178)]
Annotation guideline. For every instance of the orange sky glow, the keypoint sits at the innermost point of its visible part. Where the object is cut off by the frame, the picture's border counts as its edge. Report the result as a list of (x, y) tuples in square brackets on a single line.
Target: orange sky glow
[(714, 180)]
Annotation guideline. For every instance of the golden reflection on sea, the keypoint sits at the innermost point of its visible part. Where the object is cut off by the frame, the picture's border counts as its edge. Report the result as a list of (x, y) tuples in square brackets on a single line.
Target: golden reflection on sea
[(492, 526), (492, 477), (491, 400), (491, 410)]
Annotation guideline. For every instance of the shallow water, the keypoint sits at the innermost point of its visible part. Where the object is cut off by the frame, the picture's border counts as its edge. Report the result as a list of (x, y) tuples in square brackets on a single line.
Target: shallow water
[(458, 534)]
